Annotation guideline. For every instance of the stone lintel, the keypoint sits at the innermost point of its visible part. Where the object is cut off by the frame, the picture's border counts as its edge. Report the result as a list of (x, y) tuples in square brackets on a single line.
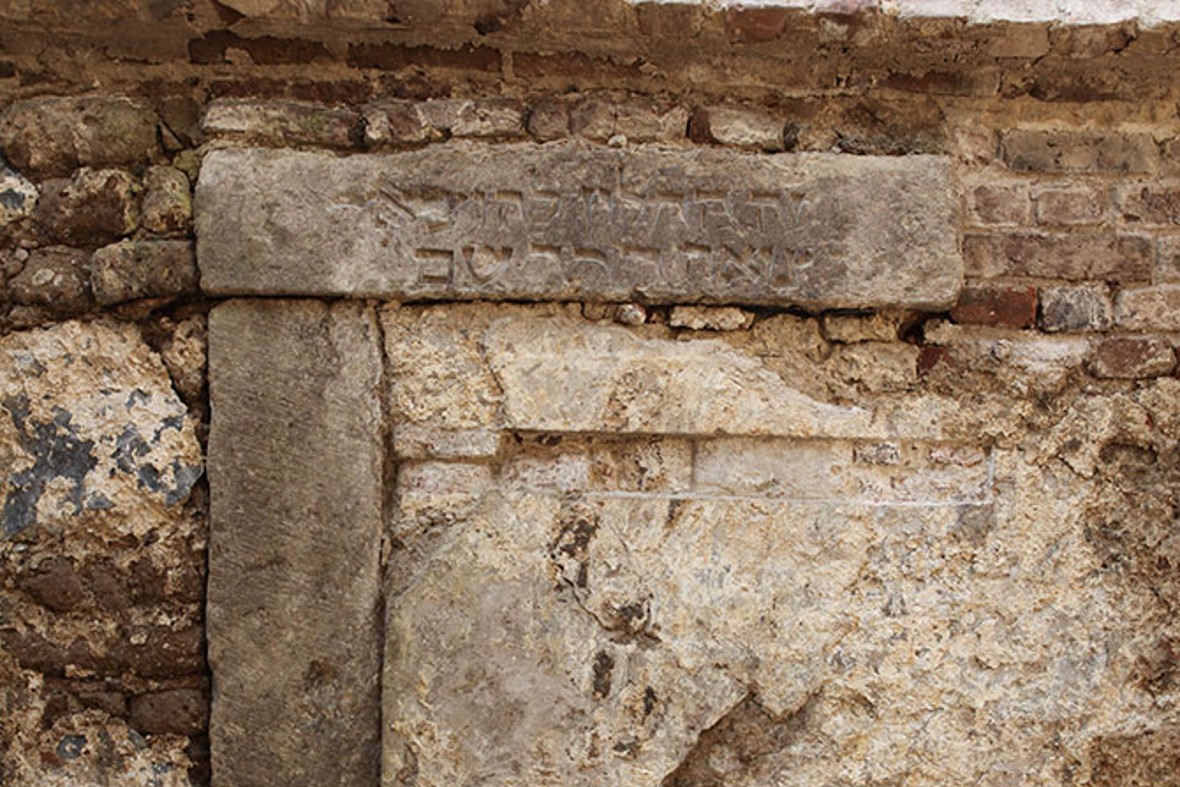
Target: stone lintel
[(570, 222)]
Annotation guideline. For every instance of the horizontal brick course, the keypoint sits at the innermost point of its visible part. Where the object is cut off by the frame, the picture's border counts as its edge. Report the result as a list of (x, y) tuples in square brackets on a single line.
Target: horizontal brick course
[(1149, 308), (1058, 256), (1078, 151), (1014, 307)]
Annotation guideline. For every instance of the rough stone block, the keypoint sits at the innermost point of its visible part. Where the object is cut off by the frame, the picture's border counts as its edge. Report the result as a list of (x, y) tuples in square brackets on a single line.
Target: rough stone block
[(17, 196), (295, 468), (739, 127), (710, 318), (55, 277), (1051, 256), (1082, 308), (167, 202), (282, 122), (1132, 357), (91, 208), (1014, 307), (1149, 308), (504, 222), (131, 270), (50, 137), (1078, 151), (849, 328), (96, 443)]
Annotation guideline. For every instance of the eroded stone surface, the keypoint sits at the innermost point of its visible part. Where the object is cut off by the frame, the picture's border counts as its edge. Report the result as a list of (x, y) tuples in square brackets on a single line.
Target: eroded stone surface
[(865, 594), (295, 467), (93, 438), (504, 222)]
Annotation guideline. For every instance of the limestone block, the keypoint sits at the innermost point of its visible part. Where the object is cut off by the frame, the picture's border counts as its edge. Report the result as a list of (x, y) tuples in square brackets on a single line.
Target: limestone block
[(469, 221), (94, 442), (295, 468)]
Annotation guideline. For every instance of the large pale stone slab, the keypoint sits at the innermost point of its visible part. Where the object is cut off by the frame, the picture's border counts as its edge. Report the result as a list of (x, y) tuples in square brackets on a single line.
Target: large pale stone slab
[(295, 469), (565, 221)]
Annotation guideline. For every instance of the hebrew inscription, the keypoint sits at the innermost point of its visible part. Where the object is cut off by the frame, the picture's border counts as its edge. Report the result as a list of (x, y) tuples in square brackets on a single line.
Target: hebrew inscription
[(569, 222)]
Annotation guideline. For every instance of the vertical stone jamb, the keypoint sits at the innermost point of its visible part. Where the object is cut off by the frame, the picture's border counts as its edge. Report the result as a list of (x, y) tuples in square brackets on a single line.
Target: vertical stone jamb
[(295, 466)]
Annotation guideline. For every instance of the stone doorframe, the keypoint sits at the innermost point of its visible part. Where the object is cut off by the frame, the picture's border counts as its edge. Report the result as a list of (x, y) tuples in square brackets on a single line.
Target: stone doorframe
[(302, 457)]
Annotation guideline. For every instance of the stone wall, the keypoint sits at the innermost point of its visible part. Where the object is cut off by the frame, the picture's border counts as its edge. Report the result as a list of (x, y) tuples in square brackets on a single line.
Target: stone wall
[(909, 522)]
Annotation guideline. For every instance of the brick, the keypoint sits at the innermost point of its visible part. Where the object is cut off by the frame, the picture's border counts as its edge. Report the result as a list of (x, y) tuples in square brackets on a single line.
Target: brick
[(1078, 205), (1132, 357), (991, 204), (173, 712), (1077, 151), (51, 137), (392, 57), (1150, 204), (754, 25), (1052, 256), (1082, 308), (1149, 308), (283, 122), (1014, 307), (1167, 260), (548, 120), (132, 270)]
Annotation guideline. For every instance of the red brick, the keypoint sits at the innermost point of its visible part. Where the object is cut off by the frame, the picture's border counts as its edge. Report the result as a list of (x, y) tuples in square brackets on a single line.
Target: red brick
[(993, 204), (1078, 151), (1014, 307), (1051, 256), (1131, 357), (1071, 206)]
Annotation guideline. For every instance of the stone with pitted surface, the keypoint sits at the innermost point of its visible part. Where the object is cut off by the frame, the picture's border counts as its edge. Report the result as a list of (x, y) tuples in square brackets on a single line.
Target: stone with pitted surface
[(570, 222)]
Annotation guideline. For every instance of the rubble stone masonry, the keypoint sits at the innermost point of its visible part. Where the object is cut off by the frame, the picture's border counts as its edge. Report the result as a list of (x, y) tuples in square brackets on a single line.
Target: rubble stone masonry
[(507, 392)]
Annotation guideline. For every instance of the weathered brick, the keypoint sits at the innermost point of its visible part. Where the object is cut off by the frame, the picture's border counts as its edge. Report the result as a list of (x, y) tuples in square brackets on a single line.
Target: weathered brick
[(995, 204), (1167, 260), (283, 122), (173, 711), (1077, 205), (1083, 308), (1150, 204), (1149, 308), (143, 269), (754, 25), (1014, 307), (1077, 151), (1130, 357), (51, 137), (397, 122), (91, 208), (1052, 256), (548, 120), (393, 57)]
